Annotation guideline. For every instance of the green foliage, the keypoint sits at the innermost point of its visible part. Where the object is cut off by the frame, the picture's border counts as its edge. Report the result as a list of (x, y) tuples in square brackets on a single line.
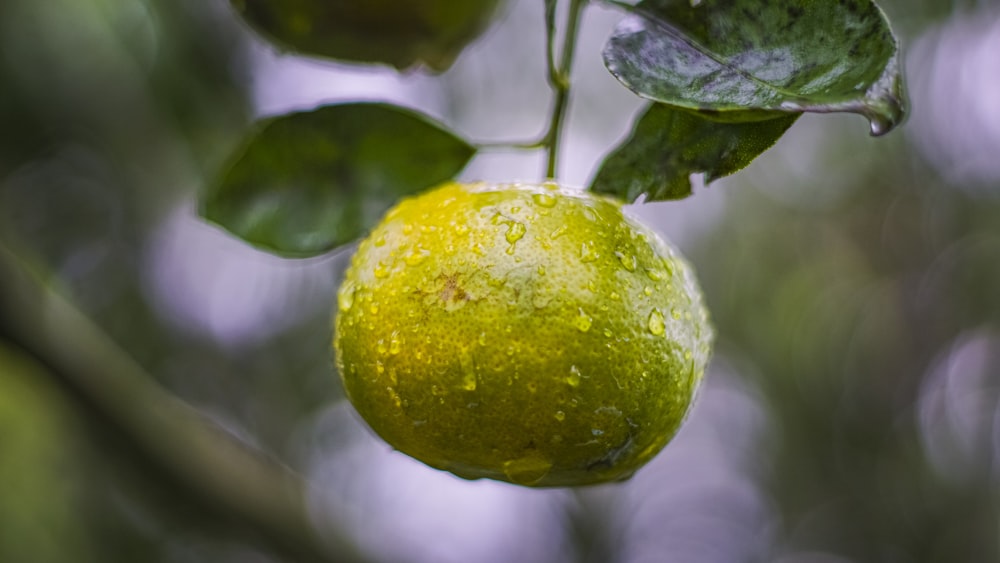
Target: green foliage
[(308, 182), (729, 76), (669, 144), (740, 61), (401, 33)]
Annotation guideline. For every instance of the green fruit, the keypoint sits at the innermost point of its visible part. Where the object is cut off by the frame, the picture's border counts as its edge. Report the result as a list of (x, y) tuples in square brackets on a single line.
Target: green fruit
[(401, 33), (526, 333)]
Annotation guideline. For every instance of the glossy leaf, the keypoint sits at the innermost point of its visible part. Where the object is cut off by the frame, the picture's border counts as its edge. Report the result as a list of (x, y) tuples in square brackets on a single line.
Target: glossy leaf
[(728, 56), (308, 182), (401, 33), (669, 144)]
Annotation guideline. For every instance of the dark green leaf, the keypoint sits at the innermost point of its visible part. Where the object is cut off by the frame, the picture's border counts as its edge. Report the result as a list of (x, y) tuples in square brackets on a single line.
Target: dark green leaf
[(309, 182), (768, 55), (668, 145), (401, 33)]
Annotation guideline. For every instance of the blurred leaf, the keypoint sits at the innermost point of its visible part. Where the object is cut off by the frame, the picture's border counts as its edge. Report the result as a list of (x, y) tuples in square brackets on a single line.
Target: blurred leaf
[(401, 33), (40, 521), (783, 55), (309, 182), (668, 145)]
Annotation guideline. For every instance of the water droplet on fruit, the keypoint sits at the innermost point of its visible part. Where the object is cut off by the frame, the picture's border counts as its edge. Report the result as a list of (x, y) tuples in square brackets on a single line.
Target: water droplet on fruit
[(515, 231), (527, 470), (394, 344), (583, 321), (544, 200), (653, 274), (587, 252), (655, 324), (345, 297), (541, 270), (381, 348), (560, 416), (573, 379), (647, 290), (628, 260), (417, 256), (380, 241)]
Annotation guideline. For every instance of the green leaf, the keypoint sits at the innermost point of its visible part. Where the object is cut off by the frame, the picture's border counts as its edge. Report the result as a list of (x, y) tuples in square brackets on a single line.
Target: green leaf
[(768, 55), (401, 33), (669, 144), (308, 182)]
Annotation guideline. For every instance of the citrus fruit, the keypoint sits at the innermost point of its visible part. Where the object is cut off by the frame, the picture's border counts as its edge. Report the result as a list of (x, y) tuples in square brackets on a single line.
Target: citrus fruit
[(526, 333), (401, 33)]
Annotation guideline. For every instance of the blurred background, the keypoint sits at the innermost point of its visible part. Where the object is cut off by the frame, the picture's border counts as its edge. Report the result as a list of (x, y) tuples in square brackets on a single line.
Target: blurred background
[(851, 412)]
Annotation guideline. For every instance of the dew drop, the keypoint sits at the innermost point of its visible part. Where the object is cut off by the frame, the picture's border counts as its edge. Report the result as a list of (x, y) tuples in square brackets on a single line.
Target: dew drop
[(345, 297), (653, 274), (655, 323), (379, 368), (560, 416), (668, 267), (515, 232), (417, 256), (527, 470), (381, 347), (541, 270), (373, 308), (482, 339), (647, 290), (583, 321), (676, 314), (381, 271), (628, 260), (558, 231), (573, 379), (544, 200), (394, 344), (587, 252), (407, 229), (380, 241), (614, 295)]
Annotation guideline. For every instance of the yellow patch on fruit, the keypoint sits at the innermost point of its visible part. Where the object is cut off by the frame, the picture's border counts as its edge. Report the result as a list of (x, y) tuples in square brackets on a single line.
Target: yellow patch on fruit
[(526, 333)]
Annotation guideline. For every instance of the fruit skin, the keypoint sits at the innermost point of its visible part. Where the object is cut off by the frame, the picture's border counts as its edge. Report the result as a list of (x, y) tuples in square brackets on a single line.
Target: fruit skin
[(525, 333), (401, 33)]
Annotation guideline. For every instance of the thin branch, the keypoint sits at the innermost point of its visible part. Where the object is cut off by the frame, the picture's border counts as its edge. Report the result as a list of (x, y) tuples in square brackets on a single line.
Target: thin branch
[(197, 459), (559, 77)]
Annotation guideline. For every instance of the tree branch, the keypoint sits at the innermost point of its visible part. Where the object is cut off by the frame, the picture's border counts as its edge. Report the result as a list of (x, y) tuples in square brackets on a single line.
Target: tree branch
[(199, 460)]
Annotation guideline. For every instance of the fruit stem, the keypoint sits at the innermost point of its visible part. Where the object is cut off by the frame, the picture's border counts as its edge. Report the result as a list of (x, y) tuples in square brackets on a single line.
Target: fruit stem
[(559, 75)]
